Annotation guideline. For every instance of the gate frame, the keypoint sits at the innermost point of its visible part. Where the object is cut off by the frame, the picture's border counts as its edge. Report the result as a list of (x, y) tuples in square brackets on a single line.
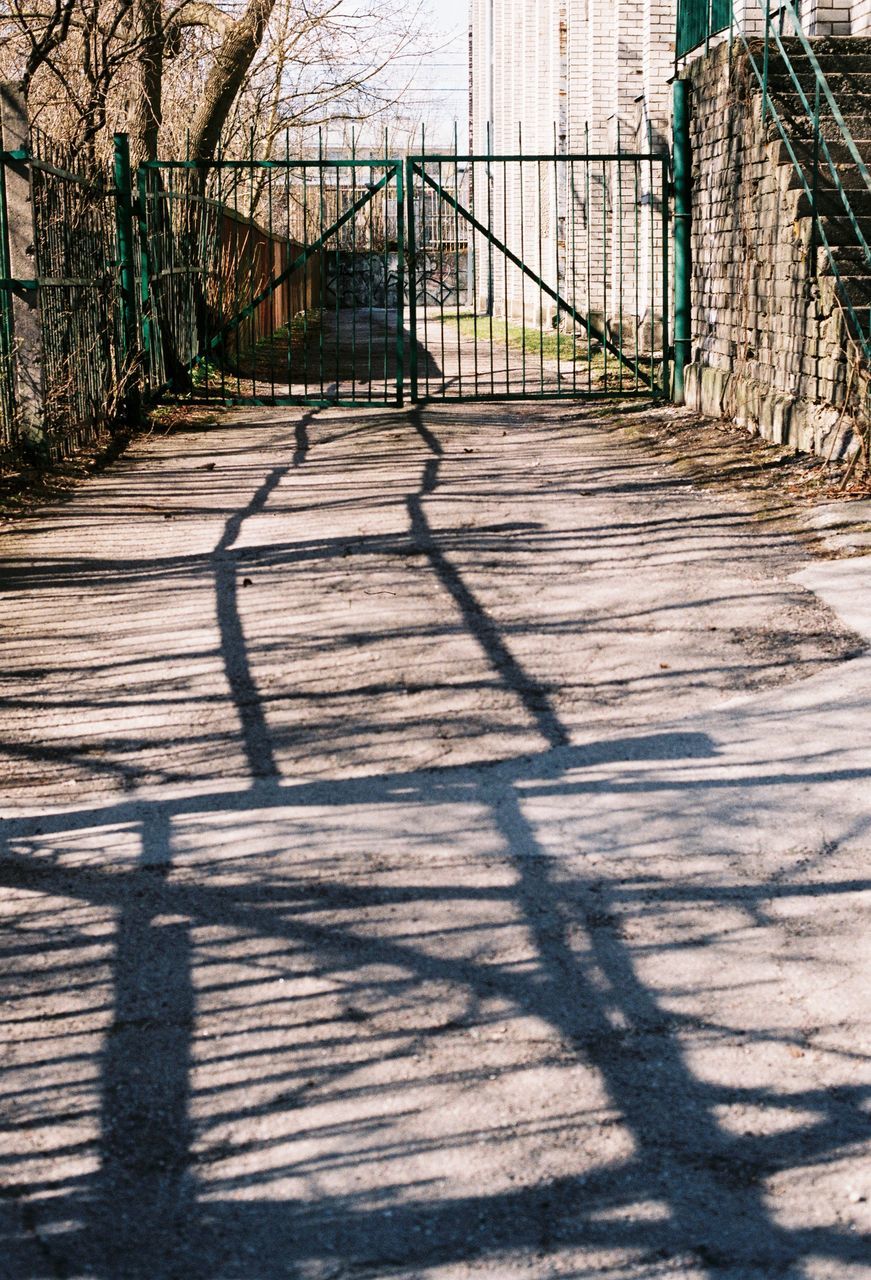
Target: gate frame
[(394, 172), (418, 179)]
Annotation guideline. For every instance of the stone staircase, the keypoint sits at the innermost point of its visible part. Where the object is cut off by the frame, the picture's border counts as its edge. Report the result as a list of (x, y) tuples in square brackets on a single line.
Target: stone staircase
[(846, 64)]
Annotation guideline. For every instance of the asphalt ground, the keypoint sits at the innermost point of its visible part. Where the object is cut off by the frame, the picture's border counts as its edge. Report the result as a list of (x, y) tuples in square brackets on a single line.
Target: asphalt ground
[(434, 844)]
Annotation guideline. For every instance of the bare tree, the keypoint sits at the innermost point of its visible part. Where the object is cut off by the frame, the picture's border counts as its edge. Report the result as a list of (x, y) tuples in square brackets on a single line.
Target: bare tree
[(255, 68)]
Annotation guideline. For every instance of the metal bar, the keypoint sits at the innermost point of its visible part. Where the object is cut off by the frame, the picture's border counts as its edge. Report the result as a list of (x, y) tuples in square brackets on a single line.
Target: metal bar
[(441, 251), (400, 286), (604, 270), (505, 259), (323, 261), (457, 268), (532, 157), (491, 280), (338, 285), (144, 268), (682, 232), (620, 254), (412, 279), (354, 272), (666, 378), (522, 198), (123, 179), (425, 268)]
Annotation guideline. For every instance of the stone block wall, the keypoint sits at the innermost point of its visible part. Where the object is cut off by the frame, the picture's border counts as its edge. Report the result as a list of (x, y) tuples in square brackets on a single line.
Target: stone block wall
[(770, 347)]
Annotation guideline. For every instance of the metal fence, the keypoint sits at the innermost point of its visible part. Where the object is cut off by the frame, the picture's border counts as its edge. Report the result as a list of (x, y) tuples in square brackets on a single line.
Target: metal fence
[(698, 20), (65, 308)]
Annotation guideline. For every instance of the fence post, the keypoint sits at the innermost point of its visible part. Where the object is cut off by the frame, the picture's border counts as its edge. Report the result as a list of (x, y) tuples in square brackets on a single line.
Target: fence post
[(682, 170), (130, 365), (22, 326)]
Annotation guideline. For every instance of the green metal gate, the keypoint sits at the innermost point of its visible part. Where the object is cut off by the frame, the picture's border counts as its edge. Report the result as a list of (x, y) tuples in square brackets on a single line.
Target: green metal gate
[(287, 282), (538, 276), (273, 282)]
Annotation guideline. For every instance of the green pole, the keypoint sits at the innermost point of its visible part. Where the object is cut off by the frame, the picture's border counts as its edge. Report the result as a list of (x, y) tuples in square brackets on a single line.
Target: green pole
[(682, 169), (127, 274)]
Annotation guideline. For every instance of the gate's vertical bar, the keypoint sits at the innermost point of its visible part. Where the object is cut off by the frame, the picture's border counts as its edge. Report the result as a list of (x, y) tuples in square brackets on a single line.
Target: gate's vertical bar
[(636, 233), (665, 309), (400, 285), (491, 280), (604, 275), (440, 225), (7, 334), (237, 296), (252, 287), (457, 260), (424, 199), (123, 180), (322, 254), (588, 220), (557, 280), (385, 205), (540, 276), (334, 216), (651, 184), (682, 231), (505, 271), (472, 269), (221, 217), (354, 265), (620, 251), (523, 273), (370, 214), (573, 198), (144, 270), (309, 276), (412, 277), (273, 300), (287, 254)]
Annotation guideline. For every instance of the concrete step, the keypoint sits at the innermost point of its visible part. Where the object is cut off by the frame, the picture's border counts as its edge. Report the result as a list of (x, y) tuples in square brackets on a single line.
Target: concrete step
[(849, 259), (830, 202), (842, 84), (857, 288), (804, 152), (838, 229), (849, 175), (789, 106), (827, 49), (799, 126)]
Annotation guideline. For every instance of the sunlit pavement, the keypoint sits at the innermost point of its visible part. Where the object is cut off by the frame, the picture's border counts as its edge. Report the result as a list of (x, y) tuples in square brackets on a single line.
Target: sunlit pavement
[(434, 845)]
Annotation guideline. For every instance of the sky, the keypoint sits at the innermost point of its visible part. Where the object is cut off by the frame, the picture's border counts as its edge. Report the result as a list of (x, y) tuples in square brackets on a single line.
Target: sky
[(439, 88)]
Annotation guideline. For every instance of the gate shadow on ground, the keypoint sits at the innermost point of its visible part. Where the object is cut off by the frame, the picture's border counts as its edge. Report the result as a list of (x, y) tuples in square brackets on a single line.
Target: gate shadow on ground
[(151, 1205)]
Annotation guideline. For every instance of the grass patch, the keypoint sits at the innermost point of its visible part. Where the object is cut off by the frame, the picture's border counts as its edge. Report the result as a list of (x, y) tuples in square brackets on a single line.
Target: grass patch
[(551, 344)]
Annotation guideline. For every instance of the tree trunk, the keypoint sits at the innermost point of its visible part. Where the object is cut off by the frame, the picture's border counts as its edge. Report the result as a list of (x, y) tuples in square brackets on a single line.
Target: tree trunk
[(145, 113), (232, 61)]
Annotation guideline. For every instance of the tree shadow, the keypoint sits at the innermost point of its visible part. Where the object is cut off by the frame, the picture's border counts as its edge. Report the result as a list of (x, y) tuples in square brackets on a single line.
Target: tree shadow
[(145, 1202)]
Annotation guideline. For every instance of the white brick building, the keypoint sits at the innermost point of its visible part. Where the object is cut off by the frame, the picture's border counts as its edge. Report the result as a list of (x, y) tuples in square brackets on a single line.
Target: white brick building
[(573, 76)]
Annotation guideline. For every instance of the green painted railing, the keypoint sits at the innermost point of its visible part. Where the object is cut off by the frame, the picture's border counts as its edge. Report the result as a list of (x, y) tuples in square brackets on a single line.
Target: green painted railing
[(698, 20)]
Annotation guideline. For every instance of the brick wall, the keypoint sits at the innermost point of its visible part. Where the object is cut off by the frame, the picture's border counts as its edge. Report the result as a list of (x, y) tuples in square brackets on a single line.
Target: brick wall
[(607, 75), (769, 342)]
